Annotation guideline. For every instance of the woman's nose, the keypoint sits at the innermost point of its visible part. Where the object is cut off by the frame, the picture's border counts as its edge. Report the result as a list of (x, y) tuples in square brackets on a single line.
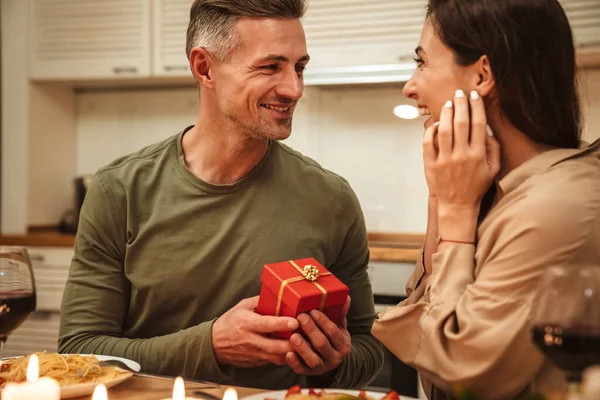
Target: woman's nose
[(409, 90)]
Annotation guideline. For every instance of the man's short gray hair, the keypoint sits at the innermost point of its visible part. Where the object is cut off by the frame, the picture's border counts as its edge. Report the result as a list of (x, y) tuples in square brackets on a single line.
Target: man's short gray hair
[(212, 22)]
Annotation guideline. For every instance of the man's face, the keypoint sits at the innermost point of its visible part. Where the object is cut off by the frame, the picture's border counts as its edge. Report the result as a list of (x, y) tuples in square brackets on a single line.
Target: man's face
[(258, 86)]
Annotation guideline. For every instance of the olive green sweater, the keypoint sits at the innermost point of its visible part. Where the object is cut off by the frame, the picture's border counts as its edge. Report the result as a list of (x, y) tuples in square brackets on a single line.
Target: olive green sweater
[(160, 254)]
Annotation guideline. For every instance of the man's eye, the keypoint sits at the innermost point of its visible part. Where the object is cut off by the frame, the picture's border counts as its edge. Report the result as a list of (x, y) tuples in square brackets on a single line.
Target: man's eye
[(271, 67), (300, 68)]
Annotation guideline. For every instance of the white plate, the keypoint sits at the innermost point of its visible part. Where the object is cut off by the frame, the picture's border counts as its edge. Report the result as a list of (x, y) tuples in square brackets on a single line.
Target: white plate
[(84, 389), (280, 394)]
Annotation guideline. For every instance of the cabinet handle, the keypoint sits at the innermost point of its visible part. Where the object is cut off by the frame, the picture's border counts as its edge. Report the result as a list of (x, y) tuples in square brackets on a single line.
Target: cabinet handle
[(123, 70), (41, 315), (405, 58), (175, 68), (37, 257)]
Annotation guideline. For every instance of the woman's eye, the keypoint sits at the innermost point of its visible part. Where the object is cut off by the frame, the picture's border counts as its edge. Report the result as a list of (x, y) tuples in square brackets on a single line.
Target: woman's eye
[(419, 61)]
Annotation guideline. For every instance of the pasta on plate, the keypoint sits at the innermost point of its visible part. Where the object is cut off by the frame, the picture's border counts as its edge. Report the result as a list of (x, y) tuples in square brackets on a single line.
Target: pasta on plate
[(67, 370)]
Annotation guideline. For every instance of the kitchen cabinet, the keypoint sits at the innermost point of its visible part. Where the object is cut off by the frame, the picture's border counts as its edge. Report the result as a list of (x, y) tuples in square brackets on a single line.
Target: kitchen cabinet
[(345, 33), (389, 278), (40, 331), (171, 19), (78, 39), (50, 269), (350, 41), (343, 36)]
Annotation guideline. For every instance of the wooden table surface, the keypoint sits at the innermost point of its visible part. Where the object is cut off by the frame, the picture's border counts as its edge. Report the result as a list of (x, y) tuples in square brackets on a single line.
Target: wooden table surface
[(141, 388)]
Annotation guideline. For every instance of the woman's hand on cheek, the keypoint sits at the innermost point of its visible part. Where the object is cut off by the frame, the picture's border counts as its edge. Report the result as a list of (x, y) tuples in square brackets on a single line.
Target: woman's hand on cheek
[(468, 159)]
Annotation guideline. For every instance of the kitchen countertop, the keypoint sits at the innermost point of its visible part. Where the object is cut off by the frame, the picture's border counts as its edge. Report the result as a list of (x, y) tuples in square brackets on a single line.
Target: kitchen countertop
[(393, 247), (43, 239)]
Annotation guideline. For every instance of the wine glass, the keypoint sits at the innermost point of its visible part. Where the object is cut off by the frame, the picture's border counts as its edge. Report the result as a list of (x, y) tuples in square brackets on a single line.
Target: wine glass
[(17, 290), (566, 319)]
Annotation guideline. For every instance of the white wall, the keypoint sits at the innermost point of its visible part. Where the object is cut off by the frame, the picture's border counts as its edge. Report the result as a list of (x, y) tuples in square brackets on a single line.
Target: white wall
[(113, 123), (379, 154), (15, 118), (52, 139)]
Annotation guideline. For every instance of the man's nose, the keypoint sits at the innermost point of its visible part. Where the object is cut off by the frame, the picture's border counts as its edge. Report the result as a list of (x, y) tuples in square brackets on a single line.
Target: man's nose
[(291, 86)]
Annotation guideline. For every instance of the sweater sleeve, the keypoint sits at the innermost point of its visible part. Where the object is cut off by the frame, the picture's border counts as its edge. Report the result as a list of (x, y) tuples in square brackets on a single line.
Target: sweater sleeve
[(351, 247), (96, 300)]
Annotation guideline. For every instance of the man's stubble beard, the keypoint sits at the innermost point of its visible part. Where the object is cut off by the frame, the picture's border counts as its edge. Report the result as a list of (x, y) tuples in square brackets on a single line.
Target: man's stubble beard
[(264, 130)]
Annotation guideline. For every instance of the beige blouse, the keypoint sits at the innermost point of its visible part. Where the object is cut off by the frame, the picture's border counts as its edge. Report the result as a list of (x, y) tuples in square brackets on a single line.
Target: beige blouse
[(468, 324)]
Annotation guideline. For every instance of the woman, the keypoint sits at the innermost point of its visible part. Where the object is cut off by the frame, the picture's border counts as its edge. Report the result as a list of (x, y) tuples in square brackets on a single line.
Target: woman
[(502, 206)]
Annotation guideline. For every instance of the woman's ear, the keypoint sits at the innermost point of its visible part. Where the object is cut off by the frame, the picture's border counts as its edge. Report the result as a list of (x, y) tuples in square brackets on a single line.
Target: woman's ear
[(484, 79), (201, 64)]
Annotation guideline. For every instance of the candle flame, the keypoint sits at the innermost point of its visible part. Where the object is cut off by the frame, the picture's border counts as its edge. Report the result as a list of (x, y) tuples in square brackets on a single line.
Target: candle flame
[(100, 393), (230, 394), (178, 389), (33, 368)]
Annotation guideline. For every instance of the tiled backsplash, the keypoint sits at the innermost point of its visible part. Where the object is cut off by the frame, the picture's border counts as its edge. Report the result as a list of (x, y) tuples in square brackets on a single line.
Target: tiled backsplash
[(350, 130)]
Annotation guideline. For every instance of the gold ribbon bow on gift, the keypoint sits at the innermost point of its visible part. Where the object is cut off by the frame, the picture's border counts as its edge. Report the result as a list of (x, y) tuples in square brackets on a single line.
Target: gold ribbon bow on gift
[(309, 273)]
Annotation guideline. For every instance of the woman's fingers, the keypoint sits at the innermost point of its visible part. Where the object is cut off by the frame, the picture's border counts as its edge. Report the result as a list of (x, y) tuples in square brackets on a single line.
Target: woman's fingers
[(492, 151), (478, 122), (461, 122), (445, 130), (429, 145)]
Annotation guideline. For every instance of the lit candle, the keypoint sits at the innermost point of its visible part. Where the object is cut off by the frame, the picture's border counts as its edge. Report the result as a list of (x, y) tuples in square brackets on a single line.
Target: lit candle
[(100, 393), (34, 389), (230, 394), (179, 390), (590, 385)]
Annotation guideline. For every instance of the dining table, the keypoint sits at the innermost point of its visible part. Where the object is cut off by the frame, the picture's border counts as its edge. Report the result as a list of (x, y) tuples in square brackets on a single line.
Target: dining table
[(147, 388)]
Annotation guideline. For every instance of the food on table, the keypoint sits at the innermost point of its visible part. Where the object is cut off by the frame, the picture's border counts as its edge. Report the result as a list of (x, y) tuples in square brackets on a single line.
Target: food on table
[(65, 369), (295, 393)]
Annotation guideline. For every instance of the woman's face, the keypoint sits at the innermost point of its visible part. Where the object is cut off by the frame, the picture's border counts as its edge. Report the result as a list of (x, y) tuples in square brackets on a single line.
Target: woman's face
[(437, 76)]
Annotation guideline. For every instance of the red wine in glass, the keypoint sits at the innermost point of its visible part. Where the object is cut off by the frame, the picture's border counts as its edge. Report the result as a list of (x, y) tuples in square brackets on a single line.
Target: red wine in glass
[(14, 309), (570, 348)]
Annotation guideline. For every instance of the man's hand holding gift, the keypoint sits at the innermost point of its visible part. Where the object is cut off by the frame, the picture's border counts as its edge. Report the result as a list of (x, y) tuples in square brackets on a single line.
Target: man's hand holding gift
[(323, 345)]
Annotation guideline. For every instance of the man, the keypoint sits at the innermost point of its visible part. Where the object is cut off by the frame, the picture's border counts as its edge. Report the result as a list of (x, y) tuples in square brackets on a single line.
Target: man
[(172, 239)]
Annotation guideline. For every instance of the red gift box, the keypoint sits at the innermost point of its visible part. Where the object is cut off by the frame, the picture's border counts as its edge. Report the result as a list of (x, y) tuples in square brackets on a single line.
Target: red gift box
[(294, 287)]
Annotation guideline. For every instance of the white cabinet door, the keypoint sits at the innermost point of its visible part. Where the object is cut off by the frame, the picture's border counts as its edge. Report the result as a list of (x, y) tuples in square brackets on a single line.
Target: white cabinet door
[(584, 17), (348, 33), (50, 269), (171, 18), (38, 333), (88, 39)]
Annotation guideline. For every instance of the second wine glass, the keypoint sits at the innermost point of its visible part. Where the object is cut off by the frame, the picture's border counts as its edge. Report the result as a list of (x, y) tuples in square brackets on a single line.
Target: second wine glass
[(567, 319)]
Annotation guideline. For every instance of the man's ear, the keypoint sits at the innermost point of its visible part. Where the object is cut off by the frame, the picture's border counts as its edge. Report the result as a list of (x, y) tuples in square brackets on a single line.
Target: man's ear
[(201, 65), (483, 78)]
